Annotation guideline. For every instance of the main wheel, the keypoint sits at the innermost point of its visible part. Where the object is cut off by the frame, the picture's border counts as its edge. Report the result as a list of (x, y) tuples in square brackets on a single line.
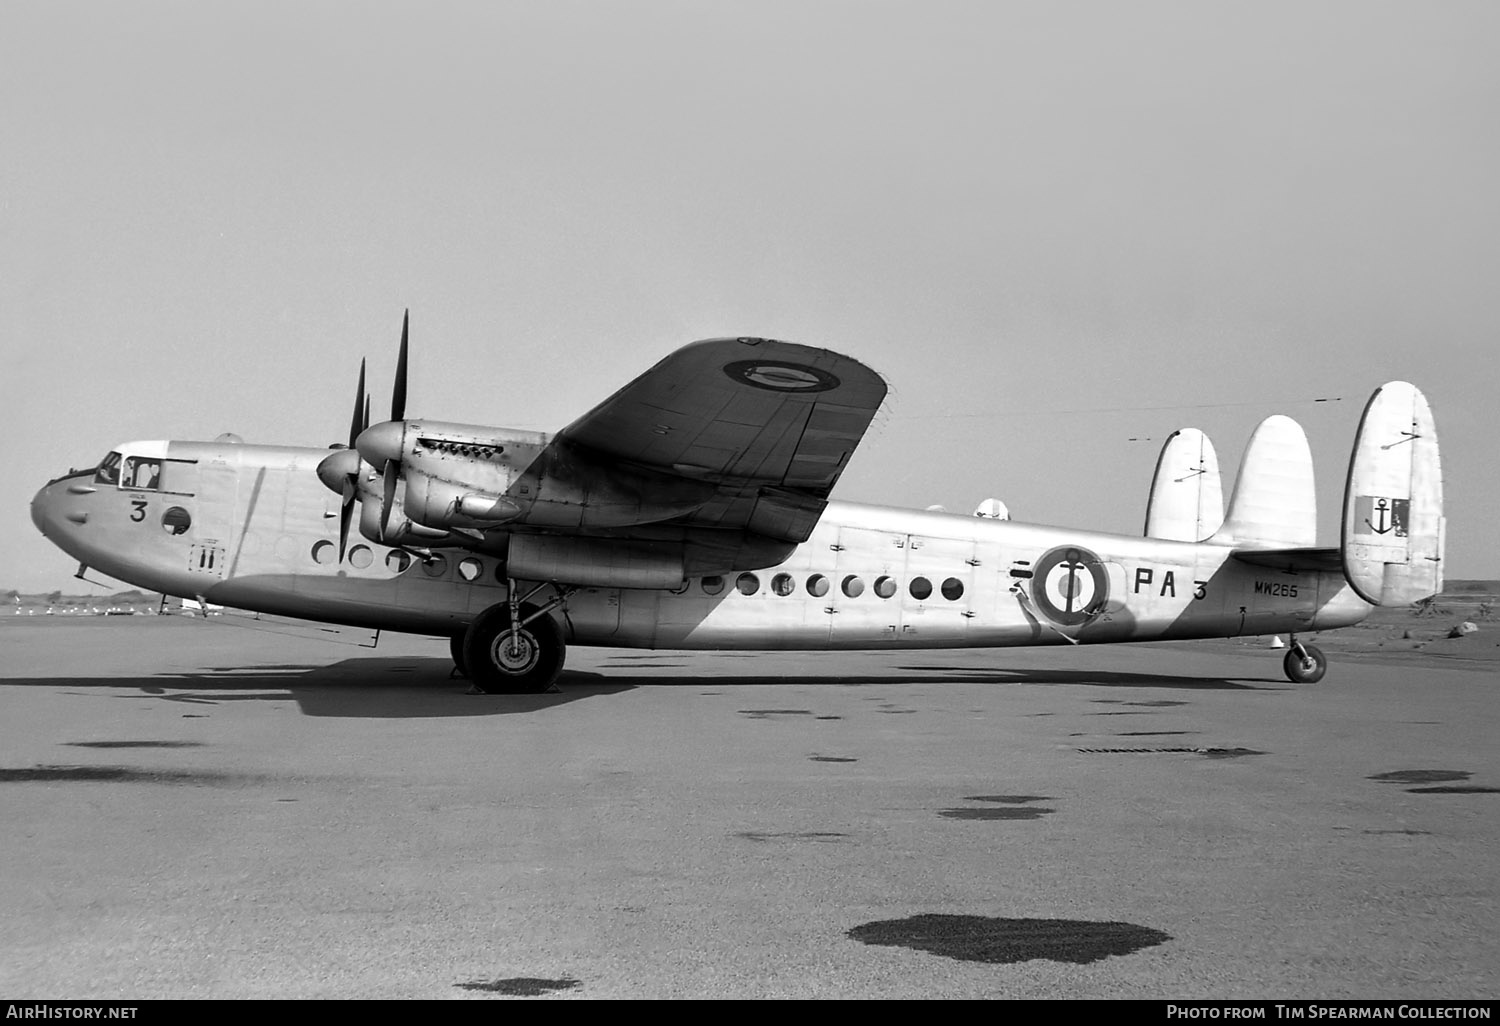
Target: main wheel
[(456, 650), (505, 662), (1305, 671)]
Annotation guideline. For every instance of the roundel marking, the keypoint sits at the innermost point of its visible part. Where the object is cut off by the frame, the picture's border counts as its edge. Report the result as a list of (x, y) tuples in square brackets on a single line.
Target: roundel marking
[(781, 377), (1072, 585)]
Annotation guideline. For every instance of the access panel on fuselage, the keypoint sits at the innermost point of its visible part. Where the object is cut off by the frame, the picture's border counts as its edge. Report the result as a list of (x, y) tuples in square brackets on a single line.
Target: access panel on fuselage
[(901, 589)]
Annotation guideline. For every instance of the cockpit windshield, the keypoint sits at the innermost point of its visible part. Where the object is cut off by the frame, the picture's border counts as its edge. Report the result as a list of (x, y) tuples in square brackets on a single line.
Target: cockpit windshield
[(109, 470)]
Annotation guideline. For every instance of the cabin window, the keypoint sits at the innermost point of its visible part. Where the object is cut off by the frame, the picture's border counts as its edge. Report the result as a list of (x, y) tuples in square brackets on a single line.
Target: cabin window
[(324, 552), (436, 566), (470, 569), (360, 556), (109, 470), (713, 585), (920, 588), (176, 520), (953, 589), (748, 584), (782, 584), (853, 586), (397, 561), (885, 587), (817, 586)]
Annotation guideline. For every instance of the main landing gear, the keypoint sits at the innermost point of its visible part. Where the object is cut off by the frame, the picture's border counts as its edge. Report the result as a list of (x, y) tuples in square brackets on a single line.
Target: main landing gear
[(514, 647), (1304, 664)]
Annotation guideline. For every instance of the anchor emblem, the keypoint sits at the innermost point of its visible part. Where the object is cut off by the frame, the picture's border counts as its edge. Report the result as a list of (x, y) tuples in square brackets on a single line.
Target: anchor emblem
[(1383, 515)]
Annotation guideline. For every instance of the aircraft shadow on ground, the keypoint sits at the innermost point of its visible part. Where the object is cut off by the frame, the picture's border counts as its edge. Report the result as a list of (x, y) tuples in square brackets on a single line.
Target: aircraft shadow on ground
[(923, 674), (401, 687), (381, 688)]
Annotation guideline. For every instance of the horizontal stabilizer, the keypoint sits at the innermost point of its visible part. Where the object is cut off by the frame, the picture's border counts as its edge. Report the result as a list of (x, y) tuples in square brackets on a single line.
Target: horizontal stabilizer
[(1274, 505), (1293, 560), (1393, 503), (1187, 495)]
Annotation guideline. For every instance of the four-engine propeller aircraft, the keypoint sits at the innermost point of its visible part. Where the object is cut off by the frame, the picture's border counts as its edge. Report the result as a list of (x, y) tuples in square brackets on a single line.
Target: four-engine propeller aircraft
[(691, 510)]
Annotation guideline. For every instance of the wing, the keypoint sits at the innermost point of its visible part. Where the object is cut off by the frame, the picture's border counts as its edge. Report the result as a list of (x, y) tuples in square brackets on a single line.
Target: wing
[(762, 428)]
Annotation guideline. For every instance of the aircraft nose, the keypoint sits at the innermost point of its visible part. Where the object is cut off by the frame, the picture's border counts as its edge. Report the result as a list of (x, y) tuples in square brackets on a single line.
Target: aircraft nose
[(52, 511), (39, 503)]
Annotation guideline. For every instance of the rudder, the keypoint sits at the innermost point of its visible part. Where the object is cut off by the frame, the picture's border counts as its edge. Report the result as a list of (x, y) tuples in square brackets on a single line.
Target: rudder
[(1393, 525), (1187, 493)]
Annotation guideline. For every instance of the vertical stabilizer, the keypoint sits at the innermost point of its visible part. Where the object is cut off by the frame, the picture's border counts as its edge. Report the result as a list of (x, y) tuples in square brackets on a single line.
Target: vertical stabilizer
[(1393, 503), (1274, 504), (1187, 495)]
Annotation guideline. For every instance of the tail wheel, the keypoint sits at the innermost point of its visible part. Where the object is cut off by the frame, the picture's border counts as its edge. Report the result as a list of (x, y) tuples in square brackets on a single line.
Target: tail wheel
[(502, 661), (1306, 666)]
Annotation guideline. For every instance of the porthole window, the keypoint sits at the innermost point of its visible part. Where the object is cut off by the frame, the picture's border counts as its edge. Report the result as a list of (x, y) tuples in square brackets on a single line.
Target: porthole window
[(817, 586), (713, 585), (436, 566), (176, 520), (470, 569), (953, 589), (920, 588), (853, 586), (324, 552), (885, 587), (360, 556), (782, 584), (748, 584), (396, 561)]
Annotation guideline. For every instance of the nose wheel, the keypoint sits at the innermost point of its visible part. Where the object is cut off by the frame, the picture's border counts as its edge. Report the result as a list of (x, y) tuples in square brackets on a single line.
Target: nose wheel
[(1304, 664)]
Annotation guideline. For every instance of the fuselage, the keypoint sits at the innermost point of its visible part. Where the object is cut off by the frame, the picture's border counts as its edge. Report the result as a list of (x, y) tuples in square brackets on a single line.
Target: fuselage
[(253, 527)]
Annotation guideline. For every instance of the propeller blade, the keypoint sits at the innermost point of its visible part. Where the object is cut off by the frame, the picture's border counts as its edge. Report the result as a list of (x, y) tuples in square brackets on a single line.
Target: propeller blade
[(346, 513), (398, 393), (355, 427), (366, 422), (391, 469)]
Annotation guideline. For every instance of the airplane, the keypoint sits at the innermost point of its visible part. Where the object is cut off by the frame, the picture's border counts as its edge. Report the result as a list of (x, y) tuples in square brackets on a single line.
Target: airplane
[(691, 510)]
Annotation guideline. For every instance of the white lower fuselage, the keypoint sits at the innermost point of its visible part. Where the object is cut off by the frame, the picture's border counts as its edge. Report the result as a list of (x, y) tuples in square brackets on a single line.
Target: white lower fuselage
[(263, 530)]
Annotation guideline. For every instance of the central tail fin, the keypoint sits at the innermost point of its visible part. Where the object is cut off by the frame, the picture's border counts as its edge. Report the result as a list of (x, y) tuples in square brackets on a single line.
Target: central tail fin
[(1274, 504)]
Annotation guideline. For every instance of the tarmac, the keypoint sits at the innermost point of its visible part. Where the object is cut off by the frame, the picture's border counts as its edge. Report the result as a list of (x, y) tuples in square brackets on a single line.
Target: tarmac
[(196, 810)]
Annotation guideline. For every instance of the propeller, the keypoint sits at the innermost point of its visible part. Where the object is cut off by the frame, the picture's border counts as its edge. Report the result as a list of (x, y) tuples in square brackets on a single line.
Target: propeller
[(379, 446)]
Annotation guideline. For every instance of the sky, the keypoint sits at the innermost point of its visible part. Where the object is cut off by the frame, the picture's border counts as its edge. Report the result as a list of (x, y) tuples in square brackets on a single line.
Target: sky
[(1060, 230)]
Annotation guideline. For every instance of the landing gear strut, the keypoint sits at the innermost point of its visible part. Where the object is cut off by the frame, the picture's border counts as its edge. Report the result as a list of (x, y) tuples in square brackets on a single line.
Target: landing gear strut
[(1304, 664), (514, 647)]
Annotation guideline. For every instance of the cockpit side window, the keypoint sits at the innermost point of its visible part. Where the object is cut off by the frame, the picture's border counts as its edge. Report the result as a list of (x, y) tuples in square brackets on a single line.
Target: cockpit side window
[(142, 473), (109, 470)]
